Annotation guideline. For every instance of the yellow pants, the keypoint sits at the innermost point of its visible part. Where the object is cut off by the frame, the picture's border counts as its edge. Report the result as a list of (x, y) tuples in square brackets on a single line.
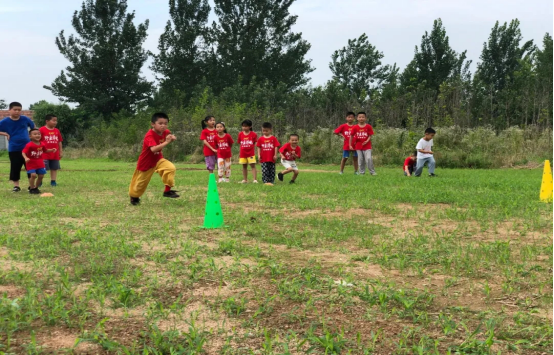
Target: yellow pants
[(141, 179)]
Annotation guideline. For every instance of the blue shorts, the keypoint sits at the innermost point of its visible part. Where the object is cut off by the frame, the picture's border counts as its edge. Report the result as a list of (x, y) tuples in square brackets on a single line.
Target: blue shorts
[(41, 171), (346, 154)]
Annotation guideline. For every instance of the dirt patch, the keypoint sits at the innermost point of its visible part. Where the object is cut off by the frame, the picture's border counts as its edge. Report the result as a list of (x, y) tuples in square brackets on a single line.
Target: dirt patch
[(58, 339), (11, 291)]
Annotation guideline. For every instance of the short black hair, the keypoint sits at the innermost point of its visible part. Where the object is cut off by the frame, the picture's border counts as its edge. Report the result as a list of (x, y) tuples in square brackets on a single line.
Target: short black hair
[(246, 123), (414, 152), (267, 125), (15, 104), (361, 113), (49, 117), (33, 129), (350, 113), (294, 135), (430, 131), (159, 115)]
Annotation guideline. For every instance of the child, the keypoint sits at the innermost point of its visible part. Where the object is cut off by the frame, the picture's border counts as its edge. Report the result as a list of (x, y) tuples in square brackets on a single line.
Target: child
[(224, 143), (345, 130), (32, 153), (52, 137), (268, 147), (151, 160), (425, 154), (208, 138), (16, 129), (409, 164), (247, 140), (289, 153), (360, 140)]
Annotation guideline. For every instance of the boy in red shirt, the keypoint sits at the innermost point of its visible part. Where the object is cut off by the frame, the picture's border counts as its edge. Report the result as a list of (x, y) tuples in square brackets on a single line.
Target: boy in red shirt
[(151, 160), (268, 146), (361, 141), (409, 164), (32, 153), (52, 137), (247, 155), (289, 153), (224, 143), (345, 131)]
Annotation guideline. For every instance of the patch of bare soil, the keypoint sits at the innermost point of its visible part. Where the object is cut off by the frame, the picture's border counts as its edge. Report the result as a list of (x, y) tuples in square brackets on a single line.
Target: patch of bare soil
[(11, 291), (56, 339)]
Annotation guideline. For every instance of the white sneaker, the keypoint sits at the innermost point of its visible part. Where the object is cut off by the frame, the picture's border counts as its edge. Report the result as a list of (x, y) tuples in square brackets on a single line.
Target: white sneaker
[(341, 173), (243, 182), (373, 174), (221, 180), (255, 181), (227, 180)]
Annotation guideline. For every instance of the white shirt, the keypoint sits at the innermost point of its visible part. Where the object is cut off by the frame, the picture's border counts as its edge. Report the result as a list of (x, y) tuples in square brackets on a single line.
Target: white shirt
[(425, 145)]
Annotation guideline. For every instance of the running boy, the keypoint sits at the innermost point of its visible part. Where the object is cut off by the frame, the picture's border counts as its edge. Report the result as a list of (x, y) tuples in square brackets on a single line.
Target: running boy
[(247, 155), (207, 136), (409, 164), (152, 161), (16, 129), (52, 137), (289, 153), (268, 147), (345, 130), (425, 154), (224, 143), (360, 140), (33, 155)]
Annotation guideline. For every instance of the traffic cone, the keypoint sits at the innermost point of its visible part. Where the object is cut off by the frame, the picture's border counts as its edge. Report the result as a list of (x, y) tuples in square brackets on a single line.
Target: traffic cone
[(214, 216), (546, 186)]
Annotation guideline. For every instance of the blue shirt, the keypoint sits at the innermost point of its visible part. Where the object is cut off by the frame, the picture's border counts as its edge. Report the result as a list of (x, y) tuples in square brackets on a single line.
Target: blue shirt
[(18, 131)]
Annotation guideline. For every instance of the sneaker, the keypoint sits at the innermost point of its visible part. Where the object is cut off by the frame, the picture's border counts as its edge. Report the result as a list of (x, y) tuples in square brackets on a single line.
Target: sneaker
[(243, 182), (373, 174), (171, 194), (292, 182), (40, 185), (34, 191), (255, 181), (16, 189), (432, 175), (135, 201), (53, 183), (341, 173), (221, 180), (356, 173), (280, 176)]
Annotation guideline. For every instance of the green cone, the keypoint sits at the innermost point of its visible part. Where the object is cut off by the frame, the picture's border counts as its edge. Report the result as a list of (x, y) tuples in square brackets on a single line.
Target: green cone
[(214, 216)]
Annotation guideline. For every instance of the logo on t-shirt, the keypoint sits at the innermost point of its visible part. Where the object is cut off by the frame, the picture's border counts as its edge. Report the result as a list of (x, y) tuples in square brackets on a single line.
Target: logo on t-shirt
[(246, 143)]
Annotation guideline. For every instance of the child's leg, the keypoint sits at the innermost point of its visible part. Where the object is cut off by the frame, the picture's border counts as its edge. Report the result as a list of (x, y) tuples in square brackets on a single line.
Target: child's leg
[(271, 172), (32, 181), (16, 162), (431, 165), (139, 182), (286, 171), (39, 180), (167, 170), (265, 173), (355, 160), (369, 162), (220, 167), (295, 175), (254, 171), (342, 164), (54, 175), (227, 168), (245, 172), (419, 166), (361, 159), (210, 163)]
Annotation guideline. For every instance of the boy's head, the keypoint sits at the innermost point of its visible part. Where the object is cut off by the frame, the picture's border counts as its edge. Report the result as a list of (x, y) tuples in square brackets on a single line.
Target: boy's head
[(267, 128), (51, 120), (246, 125), (361, 117), (34, 134), (159, 122), (293, 139), (414, 155), (350, 117), (220, 127), (429, 134), (15, 109)]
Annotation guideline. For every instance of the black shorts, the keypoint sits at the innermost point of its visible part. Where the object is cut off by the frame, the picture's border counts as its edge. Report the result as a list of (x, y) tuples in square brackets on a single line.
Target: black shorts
[(52, 164)]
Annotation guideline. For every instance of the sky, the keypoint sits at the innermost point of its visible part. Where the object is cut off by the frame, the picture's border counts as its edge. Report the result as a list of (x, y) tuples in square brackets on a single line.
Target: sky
[(30, 59)]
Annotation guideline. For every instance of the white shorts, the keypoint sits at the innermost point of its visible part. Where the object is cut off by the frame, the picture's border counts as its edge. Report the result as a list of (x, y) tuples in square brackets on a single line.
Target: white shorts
[(289, 164)]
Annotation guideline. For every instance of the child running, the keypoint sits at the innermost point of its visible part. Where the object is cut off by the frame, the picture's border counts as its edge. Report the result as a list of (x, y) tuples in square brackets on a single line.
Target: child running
[(361, 141), (409, 164), (207, 136), (268, 147), (425, 154), (151, 160), (345, 131), (224, 143), (289, 153), (52, 137), (247, 155), (33, 153)]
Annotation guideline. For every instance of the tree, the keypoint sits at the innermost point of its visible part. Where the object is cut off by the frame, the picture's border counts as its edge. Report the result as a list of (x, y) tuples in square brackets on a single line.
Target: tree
[(71, 122), (254, 39), (3, 104), (180, 61), (358, 66), (106, 57)]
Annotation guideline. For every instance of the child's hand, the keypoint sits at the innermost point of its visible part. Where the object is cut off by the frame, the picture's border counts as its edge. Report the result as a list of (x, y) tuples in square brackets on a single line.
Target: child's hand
[(170, 138), (54, 150), (61, 154), (27, 160), (352, 148)]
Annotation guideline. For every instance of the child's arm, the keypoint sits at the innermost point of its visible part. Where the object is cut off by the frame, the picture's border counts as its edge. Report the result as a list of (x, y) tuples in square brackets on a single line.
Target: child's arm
[(425, 151), (351, 139), (406, 170), (60, 149), (53, 150), (5, 135), (170, 138), (209, 146), (276, 152), (25, 157), (259, 153)]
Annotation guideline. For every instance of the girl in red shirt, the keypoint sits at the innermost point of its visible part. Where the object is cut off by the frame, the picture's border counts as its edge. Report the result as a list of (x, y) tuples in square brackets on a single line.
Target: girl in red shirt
[(208, 139), (223, 142)]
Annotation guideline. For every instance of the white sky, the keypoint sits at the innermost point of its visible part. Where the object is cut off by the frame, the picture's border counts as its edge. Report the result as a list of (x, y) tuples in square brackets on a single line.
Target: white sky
[(30, 58)]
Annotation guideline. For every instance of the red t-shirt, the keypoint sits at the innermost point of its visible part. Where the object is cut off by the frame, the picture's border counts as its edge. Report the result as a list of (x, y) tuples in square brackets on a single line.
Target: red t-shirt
[(287, 150), (267, 145), (247, 144), (224, 145), (148, 159), (360, 135), (408, 162), (208, 136), (345, 130), (34, 152), (52, 138)]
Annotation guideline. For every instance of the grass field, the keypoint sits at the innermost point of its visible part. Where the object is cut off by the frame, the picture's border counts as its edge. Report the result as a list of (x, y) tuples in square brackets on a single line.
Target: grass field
[(459, 264)]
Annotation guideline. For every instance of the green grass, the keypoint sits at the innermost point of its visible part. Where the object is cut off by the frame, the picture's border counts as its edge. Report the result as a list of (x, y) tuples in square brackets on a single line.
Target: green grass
[(459, 264)]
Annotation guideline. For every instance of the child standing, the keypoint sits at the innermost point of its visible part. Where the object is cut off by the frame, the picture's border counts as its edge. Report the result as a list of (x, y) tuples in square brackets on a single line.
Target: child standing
[(289, 153), (33, 153), (268, 147), (361, 141), (409, 164), (425, 154), (52, 137), (345, 131), (207, 136), (16, 129), (247, 140), (151, 160), (224, 143)]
